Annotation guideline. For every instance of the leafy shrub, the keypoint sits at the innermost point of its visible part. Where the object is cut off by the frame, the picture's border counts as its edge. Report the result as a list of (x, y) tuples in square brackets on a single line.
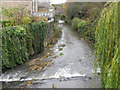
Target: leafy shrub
[(57, 31), (6, 23), (26, 20), (88, 31), (62, 17), (18, 15), (86, 28), (75, 22), (21, 42), (107, 45), (89, 12), (14, 46), (67, 20), (81, 25)]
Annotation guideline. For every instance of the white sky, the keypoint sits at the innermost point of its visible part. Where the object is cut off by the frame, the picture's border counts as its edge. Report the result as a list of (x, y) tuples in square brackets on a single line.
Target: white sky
[(57, 1)]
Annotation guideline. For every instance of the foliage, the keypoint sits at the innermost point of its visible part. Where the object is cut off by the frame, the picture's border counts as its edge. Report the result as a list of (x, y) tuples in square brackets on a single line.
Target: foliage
[(26, 20), (75, 23), (107, 45), (8, 12), (82, 10), (62, 17), (81, 24), (88, 31), (83, 17), (21, 42), (82, 28), (61, 54), (59, 17), (7, 23), (40, 19), (57, 31), (17, 15), (55, 34), (86, 28)]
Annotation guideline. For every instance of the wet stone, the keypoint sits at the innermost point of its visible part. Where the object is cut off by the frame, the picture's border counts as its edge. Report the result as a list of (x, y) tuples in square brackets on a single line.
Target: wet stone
[(23, 77), (10, 77), (89, 77), (62, 45), (62, 78), (80, 59)]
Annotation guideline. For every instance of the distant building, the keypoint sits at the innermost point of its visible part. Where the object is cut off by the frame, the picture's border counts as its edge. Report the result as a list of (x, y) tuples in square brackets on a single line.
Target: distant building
[(42, 8)]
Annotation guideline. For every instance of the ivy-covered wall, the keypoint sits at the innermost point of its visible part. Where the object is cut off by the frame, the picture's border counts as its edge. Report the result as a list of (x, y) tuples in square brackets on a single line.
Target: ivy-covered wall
[(21, 42)]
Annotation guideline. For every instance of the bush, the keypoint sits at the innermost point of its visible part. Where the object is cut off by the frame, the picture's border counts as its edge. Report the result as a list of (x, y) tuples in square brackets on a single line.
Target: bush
[(81, 25), (21, 42), (67, 20), (19, 15), (62, 17), (7, 23), (87, 30), (75, 22), (82, 10), (26, 20)]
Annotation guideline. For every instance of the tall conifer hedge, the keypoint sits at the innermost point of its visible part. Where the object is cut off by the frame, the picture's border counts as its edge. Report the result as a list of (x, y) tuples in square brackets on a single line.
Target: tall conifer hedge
[(108, 45), (21, 42)]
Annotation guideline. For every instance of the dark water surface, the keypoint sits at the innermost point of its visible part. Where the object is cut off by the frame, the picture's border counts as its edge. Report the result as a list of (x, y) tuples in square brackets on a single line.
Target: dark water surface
[(72, 69)]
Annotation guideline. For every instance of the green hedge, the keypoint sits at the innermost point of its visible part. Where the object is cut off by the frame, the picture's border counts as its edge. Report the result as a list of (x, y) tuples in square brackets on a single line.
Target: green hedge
[(108, 45), (85, 28), (75, 23), (21, 42)]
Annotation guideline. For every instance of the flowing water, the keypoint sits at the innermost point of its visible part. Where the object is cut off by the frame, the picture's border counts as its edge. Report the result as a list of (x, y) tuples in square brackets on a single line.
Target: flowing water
[(72, 69)]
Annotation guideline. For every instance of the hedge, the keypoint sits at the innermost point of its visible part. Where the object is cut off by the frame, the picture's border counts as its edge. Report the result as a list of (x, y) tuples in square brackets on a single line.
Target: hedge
[(107, 45), (19, 43), (75, 23)]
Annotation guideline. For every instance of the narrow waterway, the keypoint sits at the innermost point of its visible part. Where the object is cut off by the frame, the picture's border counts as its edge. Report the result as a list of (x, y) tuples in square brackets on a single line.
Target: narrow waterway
[(72, 69)]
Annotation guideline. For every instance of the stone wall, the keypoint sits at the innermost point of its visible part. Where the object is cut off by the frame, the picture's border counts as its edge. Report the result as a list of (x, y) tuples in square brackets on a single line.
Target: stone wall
[(49, 34), (26, 4), (17, 3)]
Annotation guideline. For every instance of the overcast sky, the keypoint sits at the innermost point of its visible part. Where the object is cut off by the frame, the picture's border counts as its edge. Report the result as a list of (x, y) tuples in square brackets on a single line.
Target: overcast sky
[(57, 1)]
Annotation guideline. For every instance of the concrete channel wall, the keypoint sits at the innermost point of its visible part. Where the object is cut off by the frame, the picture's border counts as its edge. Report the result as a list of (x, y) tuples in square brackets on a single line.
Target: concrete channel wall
[(49, 32)]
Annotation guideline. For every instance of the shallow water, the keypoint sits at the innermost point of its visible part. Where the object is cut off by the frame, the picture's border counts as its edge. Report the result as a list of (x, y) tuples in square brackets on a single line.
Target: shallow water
[(72, 69)]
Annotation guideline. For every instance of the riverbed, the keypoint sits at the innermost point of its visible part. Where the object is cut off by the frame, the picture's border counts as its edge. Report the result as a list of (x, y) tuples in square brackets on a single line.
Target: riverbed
[(73, 68)]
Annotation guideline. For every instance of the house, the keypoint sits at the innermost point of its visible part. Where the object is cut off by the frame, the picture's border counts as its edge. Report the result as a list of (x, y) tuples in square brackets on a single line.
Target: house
[(43, 9)]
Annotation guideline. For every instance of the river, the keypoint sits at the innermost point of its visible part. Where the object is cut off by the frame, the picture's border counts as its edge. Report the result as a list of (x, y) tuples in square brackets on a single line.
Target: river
[(72, 69)]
